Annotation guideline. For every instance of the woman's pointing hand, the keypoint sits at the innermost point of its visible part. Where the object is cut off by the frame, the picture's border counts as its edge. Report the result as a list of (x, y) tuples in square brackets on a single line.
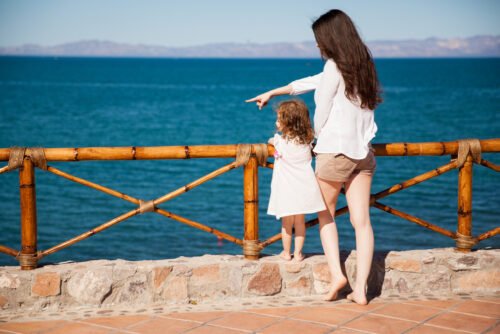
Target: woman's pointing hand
[(261, 99)]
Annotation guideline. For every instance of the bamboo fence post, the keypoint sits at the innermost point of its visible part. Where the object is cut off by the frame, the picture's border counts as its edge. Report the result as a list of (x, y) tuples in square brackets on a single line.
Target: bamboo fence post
[(27, 257), (464, 228), (251, 248)]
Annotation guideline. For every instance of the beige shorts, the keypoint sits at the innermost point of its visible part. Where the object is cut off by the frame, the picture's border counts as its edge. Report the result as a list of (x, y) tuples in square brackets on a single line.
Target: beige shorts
[(340, 168)]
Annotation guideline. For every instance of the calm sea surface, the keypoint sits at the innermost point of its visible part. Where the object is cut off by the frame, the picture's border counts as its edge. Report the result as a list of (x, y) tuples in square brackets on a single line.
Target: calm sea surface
[(76, 102)]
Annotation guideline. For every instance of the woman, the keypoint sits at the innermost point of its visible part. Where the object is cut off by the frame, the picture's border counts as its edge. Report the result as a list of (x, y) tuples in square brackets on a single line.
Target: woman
[(346, 93)]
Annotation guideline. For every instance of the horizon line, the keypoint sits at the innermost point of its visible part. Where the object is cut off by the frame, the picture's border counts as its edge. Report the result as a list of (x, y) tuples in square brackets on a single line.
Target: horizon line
[(232, 42)]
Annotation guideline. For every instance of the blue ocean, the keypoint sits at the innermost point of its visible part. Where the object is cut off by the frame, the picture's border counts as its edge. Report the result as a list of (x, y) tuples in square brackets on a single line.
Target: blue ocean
[(84, 102)]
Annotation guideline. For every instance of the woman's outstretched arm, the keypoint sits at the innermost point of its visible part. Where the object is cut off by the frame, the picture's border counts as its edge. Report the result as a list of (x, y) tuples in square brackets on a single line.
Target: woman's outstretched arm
[(263, 98)]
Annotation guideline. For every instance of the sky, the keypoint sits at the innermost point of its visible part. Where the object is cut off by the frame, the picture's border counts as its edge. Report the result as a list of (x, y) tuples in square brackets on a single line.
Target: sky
[(197, 22)]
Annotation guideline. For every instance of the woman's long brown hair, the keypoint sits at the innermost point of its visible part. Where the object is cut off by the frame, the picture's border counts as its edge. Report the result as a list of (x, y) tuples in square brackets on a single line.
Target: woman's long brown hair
[(339, 40)]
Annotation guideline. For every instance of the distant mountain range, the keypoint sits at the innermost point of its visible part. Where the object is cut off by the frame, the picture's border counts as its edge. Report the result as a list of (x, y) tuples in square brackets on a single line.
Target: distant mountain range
[(477, 46)]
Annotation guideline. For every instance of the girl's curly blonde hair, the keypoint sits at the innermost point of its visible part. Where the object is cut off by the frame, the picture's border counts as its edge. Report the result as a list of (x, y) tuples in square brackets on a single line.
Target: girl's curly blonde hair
[(295, 124)]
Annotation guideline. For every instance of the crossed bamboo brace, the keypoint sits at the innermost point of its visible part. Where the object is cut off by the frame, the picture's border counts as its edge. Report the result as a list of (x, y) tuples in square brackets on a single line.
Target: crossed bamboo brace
[(37, 156), (469, 151)]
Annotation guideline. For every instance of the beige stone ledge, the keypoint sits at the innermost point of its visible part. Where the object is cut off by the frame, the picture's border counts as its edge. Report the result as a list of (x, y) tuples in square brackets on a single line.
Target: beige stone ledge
[(103, 284)]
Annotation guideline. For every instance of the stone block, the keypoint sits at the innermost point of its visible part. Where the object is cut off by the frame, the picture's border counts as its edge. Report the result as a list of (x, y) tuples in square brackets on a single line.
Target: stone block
[(206, 274), (46, 284), (478, 281), (295, 267), (160, 275), (322, 278), (209, 281), (176, 289), (134, 291), (438, 280), (402, 285), (406, 265), (428, 259), (321, 272), (90, 287), (215, 282), (3, 301), (9, 281), (463, 263), (181, 270), (300, 287), (267, 281), (123, 271)]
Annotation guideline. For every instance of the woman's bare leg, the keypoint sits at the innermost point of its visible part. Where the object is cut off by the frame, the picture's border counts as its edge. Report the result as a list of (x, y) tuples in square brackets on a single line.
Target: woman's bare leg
[(358, 200), (300, 234), (329, 235), (286, 237)]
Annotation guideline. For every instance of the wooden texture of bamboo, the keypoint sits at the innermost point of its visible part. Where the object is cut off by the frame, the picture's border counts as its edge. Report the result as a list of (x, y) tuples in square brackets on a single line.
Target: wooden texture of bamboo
[(413, 181), (490, 165), (488, 234), (91, 232), (200, 226), (138, 153), (195, 183), (229, 151), (465, 201), (4, 169), (93, 185), (414, 219), (8, 251), (251, 203), (28, 210), (136, 211), (430, 148)]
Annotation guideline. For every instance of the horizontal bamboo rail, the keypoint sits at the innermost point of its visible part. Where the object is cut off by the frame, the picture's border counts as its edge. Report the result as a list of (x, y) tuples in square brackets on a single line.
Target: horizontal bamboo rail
[(28, 256), (229, 151)]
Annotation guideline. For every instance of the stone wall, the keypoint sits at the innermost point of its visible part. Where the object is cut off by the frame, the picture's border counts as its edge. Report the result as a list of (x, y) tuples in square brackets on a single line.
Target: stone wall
[(211, 278)]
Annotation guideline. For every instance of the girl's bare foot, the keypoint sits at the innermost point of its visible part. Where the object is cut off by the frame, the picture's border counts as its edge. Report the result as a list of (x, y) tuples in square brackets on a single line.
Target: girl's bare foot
[(358, 298), (298, 257), (285, 256), (337, 284)]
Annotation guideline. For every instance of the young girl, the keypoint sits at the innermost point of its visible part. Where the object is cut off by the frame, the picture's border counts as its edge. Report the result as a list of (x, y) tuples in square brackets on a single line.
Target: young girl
[(294, 189)]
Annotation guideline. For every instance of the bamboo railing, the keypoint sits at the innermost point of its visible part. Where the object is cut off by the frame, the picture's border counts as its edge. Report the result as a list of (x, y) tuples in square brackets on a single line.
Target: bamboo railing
[(463, 154)]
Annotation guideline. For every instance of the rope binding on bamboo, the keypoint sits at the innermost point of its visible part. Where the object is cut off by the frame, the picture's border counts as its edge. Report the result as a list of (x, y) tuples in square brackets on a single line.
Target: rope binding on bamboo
[(466, 146), (16, 158), (146, 206), (29, 260), (17, 155), (244, 151), (465, 241), (37, 155), (261, 153), (251, 247)]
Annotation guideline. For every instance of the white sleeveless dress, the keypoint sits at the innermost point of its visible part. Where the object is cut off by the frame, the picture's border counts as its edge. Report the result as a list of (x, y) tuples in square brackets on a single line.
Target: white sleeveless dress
[(294, 189)]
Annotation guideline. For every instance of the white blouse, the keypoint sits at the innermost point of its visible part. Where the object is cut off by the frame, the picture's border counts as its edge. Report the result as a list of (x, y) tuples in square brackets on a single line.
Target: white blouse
[(340, 125)]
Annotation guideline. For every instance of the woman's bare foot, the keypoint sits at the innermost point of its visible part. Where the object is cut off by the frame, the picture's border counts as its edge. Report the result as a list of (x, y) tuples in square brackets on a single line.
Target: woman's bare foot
[(358, 298), (298, 257), (285, 256), (337, 284)]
